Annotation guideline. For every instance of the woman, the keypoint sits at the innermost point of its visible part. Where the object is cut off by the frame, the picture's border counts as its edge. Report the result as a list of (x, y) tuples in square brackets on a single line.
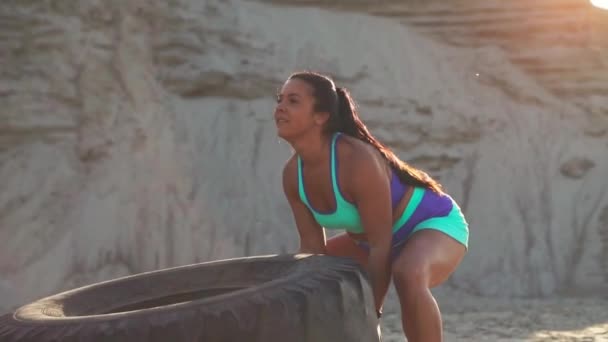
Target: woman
[(397, 219)]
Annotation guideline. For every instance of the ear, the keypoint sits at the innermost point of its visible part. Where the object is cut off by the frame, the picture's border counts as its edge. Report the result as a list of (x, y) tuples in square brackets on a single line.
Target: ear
[(321, 118)]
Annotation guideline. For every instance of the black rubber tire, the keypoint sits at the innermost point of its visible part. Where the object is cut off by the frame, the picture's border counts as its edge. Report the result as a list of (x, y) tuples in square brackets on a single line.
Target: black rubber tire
[(290, 297)]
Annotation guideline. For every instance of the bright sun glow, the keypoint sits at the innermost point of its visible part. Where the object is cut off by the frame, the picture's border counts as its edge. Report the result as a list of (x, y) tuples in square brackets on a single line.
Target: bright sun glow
[(600, 3)]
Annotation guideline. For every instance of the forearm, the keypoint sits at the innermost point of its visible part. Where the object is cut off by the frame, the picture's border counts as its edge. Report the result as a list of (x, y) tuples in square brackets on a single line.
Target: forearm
[(312, 247), (308, 250), (378, 268)]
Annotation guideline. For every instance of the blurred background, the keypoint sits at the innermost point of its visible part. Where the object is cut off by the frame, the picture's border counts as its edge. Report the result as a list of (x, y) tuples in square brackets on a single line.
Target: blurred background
[(138, 135)]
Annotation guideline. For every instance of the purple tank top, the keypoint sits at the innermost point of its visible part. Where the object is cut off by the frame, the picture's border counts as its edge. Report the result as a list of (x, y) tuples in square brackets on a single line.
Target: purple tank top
[(398, 189)]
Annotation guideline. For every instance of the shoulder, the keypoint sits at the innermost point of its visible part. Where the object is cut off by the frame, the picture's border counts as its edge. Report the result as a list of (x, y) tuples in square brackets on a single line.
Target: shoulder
[(290, 172), (362, 166), (355, 154)]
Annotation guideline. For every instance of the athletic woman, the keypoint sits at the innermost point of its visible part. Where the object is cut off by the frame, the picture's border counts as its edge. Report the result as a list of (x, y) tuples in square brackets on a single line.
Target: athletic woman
[(398, 221)]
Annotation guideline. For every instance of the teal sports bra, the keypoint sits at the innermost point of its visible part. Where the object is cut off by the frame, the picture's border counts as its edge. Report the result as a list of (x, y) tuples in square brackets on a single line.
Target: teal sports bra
[(345, 216)]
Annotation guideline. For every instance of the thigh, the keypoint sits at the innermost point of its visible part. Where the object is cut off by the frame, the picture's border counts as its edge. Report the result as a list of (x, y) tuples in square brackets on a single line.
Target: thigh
[(429, 253), (343, 245)]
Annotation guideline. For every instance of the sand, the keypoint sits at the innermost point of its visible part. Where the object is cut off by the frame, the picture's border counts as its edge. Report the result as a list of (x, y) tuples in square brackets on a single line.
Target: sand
[(470, 318)]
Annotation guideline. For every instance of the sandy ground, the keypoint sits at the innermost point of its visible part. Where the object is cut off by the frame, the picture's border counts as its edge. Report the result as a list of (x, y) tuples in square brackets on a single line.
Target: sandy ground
[(470, 318)]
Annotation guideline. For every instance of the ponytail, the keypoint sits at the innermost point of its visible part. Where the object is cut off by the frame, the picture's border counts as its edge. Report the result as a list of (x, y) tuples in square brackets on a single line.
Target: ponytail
[(344, 118), (348, 122)]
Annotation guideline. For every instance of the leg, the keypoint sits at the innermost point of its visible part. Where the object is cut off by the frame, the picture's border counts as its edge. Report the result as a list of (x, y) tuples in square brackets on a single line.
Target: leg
[(343, 246), (427, 260)]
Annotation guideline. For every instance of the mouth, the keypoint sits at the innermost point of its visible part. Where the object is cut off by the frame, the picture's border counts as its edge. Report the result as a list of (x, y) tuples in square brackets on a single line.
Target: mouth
[(280, 121)]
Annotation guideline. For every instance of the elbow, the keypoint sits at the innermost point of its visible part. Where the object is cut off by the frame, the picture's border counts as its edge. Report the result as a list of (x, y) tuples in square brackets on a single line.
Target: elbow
[(382, 250)]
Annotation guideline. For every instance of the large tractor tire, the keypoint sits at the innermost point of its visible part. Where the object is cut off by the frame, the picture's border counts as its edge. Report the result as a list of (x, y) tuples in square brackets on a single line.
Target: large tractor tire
[(291, 297)]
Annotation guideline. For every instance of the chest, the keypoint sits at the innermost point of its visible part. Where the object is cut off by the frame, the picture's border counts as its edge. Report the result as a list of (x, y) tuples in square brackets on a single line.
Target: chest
[(321, 190)]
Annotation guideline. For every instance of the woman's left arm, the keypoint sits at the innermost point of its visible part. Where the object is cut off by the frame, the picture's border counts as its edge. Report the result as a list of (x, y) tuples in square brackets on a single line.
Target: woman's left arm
[(371, 192)]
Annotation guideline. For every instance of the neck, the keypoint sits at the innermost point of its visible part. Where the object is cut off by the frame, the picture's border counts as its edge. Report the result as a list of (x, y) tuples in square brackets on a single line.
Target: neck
[(313, 150)]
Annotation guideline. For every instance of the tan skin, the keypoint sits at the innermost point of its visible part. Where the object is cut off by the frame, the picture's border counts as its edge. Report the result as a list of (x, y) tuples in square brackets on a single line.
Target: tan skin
[(427, 258)]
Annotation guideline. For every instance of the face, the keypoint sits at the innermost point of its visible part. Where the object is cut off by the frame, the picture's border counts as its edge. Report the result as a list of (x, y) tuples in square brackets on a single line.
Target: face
[(294, 114)]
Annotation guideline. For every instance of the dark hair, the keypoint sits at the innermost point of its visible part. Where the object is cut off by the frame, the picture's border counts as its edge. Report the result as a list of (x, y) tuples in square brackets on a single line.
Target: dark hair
[(344, 118)]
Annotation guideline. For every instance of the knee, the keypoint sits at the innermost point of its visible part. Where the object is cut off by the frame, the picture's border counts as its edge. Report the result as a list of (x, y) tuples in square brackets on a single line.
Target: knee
[(411, 277)]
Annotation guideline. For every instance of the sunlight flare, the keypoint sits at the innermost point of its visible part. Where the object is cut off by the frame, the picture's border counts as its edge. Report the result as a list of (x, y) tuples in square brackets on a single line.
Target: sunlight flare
[(603, 4)]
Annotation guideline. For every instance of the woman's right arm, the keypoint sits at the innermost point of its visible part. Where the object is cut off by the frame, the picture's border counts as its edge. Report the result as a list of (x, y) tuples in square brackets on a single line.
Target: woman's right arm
[(312, 235)]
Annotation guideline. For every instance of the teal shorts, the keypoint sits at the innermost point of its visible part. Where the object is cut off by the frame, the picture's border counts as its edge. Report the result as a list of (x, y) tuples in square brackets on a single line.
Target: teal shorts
[(428, 210), (453, 225)]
